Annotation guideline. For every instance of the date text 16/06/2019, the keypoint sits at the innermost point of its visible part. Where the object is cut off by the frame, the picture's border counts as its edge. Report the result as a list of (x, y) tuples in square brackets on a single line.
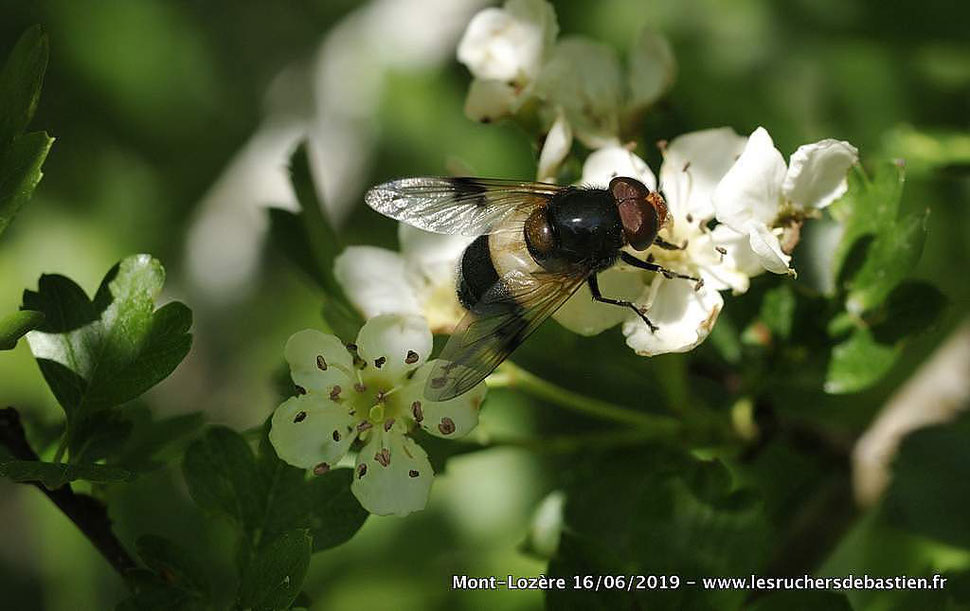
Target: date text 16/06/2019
[(574, 582)]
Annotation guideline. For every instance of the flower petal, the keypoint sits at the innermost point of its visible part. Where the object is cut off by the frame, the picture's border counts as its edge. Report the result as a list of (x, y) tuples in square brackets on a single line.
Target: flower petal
[(693, 166), (310, 431), (738, 255), (375, 281), (393, 475), (449, 419), (817, 173), (685, 317), (431, 262), (767, 248), (751, 189), (614, 160), (508, 44), (394, 344), (488, 101), (318, 361), (584, 316), (583, 78), (652, 68), (555, 149)]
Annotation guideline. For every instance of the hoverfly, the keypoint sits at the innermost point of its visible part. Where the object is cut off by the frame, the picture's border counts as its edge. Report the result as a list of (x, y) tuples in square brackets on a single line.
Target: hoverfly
[(536, 245)]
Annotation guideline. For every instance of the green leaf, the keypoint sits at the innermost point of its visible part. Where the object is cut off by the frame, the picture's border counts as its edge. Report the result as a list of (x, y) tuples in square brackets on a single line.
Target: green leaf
[(288, 234), (274, 577), (100, 353), (16, 325), (870, 215), (778, 310), (321, 237), (55, 475), (21, 79), (220, 471), (859, 362), (265, 496), (151, 440), (20, 171), (929, 492), (910, 309), (648, 512)]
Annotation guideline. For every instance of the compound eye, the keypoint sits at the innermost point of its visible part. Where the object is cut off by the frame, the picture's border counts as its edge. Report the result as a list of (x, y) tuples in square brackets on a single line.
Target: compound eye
[(538, 234), (624, 189)]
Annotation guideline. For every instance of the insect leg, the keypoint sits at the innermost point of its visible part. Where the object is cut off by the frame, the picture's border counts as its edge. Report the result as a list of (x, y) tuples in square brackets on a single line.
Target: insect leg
[(653, 267), (594, 288), (662, 243)]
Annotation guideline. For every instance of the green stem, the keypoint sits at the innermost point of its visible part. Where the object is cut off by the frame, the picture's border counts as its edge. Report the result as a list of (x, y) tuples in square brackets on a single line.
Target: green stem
[(563, 444), (510, 375)]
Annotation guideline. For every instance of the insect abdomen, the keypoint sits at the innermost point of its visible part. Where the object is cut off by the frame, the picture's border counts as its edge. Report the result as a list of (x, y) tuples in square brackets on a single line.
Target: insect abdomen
[(476, 272)]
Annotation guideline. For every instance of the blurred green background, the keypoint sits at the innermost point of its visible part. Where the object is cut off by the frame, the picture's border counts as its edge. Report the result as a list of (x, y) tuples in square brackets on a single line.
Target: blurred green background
[(174, 120)]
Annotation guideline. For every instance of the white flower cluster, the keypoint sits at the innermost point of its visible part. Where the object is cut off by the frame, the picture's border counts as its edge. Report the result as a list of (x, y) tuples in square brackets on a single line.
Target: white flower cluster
[(734, 207)]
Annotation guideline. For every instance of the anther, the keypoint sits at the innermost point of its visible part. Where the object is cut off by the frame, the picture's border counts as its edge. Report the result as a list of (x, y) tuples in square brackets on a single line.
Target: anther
[(321, 468), (300, 417), (335, 392), (388, 424), (361, 470), (413, 473), (321, 363), (686, 167), (336, 435), (446, 426), (411, 358), (359, 387), (721, 250), (416, 411), (383, 457), (379, 361), (363, 426), (690, 217), (300, 390)]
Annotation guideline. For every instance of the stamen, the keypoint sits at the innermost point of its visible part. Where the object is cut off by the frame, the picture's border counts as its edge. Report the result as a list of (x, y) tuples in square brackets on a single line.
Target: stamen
[(388, 424), (413, 473), (416, 411), (300, 390), (300, 417), (686, 166), (335, 392), (411, 358), (690, 217), (363, 426), (361, 470), (721, 250), (446, 426), (379, 361), (336, 435), (360, 387), (321, 468), (383, 457), (321, 363)]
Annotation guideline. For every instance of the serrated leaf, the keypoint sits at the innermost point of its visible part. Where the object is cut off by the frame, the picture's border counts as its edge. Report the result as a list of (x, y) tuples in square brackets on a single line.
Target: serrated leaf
[(275, 575), (55, 475), (929, 492), (16, 325), (100, 353), (20, 171), (21, 79), (858, 362), (220, 471), (870, 215)]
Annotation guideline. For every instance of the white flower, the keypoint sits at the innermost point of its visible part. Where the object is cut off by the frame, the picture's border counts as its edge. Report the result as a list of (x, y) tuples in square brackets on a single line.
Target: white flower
[(370, 391), (684, 312), (758, 193), (420, 280), (504, 49)]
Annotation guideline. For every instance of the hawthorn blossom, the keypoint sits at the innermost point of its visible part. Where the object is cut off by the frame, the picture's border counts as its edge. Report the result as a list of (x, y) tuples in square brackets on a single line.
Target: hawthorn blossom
[(684, 311), (369, 392), (420, 280), (504, 49), (766, 201)]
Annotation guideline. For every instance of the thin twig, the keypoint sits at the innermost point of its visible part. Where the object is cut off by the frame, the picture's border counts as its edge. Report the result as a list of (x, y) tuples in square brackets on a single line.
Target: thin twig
[(88, 513)]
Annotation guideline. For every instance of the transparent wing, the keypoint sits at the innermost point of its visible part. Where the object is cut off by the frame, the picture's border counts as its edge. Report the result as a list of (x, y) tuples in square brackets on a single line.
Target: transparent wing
[(506, 315), (458, 205)]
